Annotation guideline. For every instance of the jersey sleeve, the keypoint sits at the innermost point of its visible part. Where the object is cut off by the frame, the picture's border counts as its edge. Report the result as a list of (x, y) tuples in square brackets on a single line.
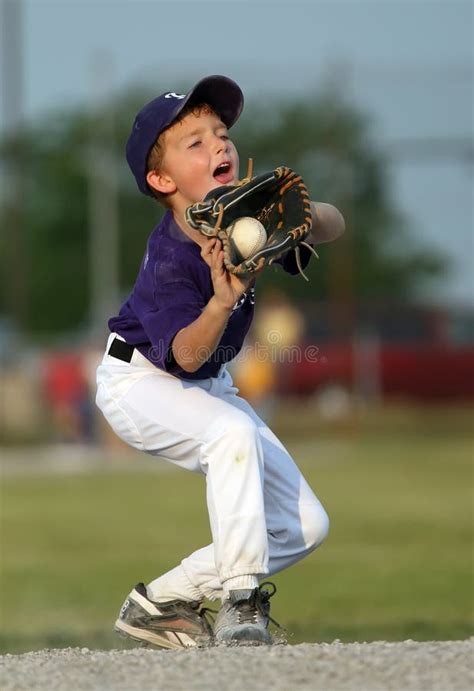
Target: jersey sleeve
[(288, 260), (178, 304)]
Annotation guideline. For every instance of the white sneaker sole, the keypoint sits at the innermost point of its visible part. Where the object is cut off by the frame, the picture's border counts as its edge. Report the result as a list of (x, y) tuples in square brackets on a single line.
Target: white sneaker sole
[(168, 639)]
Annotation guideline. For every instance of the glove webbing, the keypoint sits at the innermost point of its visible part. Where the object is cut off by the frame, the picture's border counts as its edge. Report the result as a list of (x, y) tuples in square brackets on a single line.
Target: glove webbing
[(300, 230)]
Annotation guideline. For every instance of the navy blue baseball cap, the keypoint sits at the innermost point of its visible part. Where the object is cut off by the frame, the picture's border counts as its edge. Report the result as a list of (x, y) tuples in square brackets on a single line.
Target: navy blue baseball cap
[(221, 93)]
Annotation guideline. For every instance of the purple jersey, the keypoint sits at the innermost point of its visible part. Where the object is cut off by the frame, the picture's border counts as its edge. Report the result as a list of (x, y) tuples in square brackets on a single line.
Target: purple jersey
[(172, 288)]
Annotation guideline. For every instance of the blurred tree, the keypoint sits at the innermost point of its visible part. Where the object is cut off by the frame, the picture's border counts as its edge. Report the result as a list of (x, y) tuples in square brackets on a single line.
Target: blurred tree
[(329, 143), (325, 139)]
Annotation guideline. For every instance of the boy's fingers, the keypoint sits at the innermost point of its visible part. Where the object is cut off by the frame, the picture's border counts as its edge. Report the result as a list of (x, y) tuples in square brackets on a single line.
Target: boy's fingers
[(217, 265), (218, 261), (216, 252), (208, 246), (207, 251)]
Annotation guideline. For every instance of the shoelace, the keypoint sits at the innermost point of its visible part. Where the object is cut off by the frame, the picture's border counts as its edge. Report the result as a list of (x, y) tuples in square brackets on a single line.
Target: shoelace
[(266, 595), (248, 611)]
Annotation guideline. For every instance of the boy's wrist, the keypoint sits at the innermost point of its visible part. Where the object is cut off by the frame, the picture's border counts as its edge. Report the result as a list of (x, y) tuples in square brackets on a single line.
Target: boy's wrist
[(217, 308)]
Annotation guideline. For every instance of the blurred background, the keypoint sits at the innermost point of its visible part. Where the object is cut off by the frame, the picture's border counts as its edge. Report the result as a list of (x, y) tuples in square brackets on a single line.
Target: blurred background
[(370, 378)]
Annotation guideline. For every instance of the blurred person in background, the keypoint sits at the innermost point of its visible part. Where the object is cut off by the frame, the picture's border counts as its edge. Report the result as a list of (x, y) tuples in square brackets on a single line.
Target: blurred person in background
[(67, 391), (275, 335)]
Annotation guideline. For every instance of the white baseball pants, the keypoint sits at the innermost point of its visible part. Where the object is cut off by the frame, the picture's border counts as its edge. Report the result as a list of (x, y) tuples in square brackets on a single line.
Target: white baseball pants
[(263, 514)]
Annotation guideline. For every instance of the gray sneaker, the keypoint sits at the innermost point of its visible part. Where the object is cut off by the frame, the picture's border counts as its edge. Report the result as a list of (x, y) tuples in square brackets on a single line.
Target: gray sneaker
[(173, 624), (244, 617)]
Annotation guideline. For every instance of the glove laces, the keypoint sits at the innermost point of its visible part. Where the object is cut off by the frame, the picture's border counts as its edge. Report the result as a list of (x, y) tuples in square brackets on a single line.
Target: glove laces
[(298, 257)]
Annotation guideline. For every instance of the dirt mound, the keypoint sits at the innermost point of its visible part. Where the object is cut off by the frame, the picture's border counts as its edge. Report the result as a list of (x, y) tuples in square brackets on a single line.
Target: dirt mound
[(408, 665)]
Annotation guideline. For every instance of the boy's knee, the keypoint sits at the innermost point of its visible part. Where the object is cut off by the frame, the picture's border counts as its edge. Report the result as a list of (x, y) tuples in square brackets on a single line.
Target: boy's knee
[(237, 426), (315, 525)]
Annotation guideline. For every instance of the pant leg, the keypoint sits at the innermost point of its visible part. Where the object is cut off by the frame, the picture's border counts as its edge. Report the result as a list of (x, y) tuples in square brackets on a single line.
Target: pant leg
[(296, 522), (271, 517), (198, 430)]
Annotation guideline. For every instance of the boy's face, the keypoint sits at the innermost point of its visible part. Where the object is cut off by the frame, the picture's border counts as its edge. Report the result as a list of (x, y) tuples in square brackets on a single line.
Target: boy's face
[(194, 149)]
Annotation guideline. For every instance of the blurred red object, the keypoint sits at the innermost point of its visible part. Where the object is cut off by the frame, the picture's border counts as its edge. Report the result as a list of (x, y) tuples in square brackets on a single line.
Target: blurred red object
[(66, 390), (425, 371), (64, 379)]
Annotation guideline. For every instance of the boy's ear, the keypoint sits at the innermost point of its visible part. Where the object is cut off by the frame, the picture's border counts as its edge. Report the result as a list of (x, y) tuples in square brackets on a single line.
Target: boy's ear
[(160, 182)]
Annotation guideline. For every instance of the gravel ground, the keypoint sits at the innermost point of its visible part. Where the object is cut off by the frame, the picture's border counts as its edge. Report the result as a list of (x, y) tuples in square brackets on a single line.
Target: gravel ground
[(407, 666)]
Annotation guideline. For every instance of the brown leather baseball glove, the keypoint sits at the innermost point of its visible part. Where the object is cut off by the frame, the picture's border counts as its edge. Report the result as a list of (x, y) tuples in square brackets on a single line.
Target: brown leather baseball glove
[(278, 199)]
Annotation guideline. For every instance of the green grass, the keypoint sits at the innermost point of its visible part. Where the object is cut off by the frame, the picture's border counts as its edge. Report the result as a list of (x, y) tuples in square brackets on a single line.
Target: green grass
[(397, 563)]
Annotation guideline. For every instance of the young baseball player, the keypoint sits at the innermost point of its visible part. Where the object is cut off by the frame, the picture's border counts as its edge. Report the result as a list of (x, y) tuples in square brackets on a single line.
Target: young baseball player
[(164, 388)]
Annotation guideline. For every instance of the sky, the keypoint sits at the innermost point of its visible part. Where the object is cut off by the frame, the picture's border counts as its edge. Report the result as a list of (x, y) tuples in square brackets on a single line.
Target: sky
[(409, 64)]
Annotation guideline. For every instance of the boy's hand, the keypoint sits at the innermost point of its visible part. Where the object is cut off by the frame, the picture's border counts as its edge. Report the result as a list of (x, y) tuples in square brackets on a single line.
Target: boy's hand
[(227, 287)]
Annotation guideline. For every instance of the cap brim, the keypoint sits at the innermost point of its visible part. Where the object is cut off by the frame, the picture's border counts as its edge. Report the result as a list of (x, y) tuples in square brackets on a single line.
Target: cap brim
[(221, 93)]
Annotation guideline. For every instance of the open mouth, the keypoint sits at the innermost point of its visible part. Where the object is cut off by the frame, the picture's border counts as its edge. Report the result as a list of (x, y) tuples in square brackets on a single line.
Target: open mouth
[(223, 173)]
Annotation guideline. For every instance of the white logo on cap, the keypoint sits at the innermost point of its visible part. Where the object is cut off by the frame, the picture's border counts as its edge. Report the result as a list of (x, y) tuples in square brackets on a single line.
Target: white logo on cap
[(173, 95)]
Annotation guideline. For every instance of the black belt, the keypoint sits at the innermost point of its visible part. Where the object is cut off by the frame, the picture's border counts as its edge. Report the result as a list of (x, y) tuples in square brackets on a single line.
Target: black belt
[(121, 350)]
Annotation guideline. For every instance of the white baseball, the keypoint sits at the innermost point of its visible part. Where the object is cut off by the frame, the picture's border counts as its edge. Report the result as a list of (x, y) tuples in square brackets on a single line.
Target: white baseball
[(247, 236)]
